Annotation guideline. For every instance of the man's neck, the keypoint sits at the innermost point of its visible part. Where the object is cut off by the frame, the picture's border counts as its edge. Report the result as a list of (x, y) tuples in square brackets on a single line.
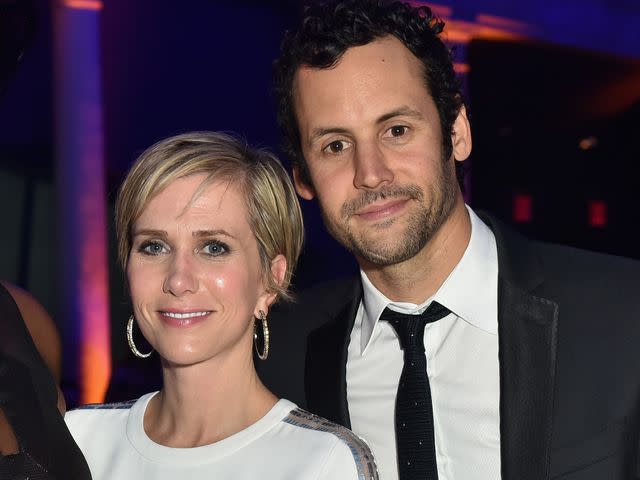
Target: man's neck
[(419, 277)]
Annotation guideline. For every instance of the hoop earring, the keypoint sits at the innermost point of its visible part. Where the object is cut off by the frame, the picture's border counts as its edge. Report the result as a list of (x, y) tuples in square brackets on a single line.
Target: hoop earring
[(261, 332), (132, 345)]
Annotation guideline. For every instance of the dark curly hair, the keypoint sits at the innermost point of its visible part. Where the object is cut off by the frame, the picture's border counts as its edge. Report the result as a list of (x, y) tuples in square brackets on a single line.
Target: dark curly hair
[(329, 29)]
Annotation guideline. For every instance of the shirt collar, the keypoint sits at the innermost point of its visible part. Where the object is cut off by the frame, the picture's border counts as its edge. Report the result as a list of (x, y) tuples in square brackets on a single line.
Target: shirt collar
[(470, 291)]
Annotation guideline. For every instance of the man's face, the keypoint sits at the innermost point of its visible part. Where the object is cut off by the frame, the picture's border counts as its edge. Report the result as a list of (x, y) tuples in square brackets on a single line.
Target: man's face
[(370, 133)]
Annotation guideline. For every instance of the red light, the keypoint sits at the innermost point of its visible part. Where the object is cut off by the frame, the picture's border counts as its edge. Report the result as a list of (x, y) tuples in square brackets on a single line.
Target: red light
[(597, 214), (84, 4), (522, 208)]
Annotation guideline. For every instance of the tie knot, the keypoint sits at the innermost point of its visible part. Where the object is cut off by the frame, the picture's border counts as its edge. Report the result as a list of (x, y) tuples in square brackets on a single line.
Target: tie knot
[(410, 328)]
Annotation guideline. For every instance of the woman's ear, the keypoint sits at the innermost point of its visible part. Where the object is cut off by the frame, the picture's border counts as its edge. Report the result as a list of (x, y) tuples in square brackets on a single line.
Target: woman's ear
[(278, 272), (279, 268)]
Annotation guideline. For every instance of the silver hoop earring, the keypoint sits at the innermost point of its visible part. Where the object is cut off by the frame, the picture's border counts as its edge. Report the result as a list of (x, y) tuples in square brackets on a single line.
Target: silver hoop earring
[(132, 345), (261, 335)]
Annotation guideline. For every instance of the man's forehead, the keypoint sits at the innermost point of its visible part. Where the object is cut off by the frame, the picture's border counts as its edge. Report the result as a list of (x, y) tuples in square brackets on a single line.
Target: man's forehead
[(374, 57), (381, 72)]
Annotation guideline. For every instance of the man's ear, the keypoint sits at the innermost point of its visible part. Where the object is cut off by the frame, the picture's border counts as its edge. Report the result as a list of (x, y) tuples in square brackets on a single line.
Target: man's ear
[(461, 136), (304, 190)]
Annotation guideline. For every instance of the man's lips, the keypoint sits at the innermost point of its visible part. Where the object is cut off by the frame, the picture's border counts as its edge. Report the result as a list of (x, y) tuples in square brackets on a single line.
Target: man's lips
[(380, 211), (183, 318)]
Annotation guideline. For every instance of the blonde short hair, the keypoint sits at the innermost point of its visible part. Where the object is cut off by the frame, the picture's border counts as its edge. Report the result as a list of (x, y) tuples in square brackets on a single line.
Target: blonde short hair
[(273, 210)]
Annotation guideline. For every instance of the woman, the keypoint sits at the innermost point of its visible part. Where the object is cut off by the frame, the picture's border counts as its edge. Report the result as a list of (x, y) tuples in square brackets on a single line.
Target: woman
[(34, 441), (209, 232)]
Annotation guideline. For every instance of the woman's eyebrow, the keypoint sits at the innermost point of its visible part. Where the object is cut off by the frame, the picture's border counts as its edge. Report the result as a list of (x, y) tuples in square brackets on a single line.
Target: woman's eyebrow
[(211, 233), (150, 232)]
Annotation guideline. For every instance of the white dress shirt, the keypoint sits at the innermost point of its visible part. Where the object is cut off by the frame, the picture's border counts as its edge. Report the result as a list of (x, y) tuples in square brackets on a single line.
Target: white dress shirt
[(462, 365)]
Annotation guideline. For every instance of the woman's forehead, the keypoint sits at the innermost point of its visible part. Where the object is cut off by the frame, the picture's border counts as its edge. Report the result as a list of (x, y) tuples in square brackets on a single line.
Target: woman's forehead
[(194, 196)]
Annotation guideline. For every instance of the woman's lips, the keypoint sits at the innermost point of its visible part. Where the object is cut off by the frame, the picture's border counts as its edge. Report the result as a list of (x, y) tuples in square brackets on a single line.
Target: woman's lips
[(183, 318), (381, 211)]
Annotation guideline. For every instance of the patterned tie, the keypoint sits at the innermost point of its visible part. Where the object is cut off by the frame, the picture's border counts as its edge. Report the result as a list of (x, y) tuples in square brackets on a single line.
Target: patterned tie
[(414, 413)]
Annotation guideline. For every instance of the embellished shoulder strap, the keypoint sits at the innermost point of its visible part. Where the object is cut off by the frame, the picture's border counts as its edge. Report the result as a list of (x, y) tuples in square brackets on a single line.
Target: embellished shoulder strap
[(360, 450)]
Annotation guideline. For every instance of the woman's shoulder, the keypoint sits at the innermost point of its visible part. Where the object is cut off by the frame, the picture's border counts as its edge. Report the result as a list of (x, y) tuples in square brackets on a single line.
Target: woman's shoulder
[(100, 409), (103, 420), (87, 418), (106, 406), (345, 451), (302, 418)]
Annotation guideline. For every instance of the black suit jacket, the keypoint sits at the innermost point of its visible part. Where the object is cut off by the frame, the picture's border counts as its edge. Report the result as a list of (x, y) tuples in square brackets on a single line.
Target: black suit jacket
[(569, 353)]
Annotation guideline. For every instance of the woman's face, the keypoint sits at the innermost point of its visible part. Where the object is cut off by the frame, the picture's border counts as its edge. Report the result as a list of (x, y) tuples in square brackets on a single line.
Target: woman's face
[(194, 273)]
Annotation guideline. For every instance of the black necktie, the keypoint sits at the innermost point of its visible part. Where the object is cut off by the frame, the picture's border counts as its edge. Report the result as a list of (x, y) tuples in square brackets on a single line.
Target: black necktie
[(414, 413)]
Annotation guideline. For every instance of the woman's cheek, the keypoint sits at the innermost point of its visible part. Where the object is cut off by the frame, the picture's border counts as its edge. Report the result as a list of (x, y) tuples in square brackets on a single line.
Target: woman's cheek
[(220, 282)]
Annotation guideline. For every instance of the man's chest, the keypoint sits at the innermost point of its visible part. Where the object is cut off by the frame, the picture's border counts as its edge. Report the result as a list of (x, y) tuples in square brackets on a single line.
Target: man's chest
[(463, 371)]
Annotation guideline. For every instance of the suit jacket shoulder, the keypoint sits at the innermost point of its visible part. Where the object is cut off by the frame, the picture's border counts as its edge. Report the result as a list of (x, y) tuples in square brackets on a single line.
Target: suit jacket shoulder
[(609, 275), (569, 325), (290, 324)]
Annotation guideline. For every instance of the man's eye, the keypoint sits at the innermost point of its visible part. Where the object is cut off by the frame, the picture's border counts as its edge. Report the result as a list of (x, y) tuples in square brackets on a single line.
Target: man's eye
[(335, 147), (152, 248), (215, 249), (398, 130)]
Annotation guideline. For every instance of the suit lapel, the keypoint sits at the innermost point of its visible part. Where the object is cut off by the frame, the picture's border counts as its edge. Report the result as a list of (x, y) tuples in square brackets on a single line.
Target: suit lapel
[(325, 367), (527, 329)]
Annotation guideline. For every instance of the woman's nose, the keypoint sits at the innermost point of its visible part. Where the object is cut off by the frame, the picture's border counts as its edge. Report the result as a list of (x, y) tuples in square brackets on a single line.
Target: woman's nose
[(181, 277)]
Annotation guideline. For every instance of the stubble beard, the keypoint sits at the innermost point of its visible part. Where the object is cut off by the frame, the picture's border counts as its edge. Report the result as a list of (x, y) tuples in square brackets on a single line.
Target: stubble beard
[(421, 224)]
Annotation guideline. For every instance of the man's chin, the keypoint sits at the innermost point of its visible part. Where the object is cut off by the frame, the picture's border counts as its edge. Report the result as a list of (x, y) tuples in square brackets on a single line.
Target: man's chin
[(384, 253)]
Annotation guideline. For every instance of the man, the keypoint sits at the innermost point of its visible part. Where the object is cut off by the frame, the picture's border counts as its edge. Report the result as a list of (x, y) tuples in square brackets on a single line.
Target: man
[(531, 367)]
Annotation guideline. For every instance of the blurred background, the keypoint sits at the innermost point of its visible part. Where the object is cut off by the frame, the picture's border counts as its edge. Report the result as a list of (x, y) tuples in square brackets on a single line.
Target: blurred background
[(552, 86)]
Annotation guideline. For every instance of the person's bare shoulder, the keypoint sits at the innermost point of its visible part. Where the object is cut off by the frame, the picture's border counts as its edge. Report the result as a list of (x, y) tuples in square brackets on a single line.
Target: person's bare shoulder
[(41, 327)]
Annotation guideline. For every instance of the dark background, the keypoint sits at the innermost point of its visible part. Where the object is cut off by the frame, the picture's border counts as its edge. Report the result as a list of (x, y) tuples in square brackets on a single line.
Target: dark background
[(555, 119)]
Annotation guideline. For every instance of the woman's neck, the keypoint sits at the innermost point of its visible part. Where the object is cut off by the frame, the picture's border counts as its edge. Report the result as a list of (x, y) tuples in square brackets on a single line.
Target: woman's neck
[(204, 403)]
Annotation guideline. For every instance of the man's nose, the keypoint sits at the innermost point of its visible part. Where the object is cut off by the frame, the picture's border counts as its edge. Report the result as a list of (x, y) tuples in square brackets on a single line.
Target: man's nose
[(371, 167)]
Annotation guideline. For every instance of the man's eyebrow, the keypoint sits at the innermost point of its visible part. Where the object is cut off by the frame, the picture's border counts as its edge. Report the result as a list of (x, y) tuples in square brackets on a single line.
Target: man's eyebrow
[(321, 132), (400, 112), (404, 111)]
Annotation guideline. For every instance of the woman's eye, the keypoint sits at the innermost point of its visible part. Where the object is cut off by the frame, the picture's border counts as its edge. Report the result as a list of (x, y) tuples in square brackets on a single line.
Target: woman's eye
[(335, 147), (152, 248), (397, 130), (215, 248)]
